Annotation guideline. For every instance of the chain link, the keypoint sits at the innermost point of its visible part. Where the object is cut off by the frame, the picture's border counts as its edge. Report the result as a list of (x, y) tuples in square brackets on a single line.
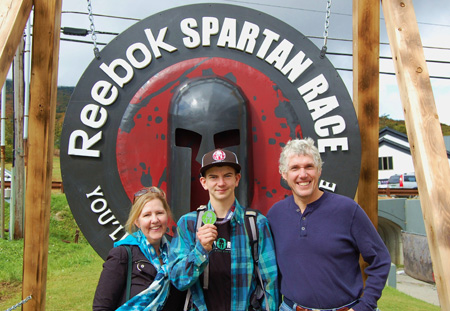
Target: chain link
[(19, 304), (325, 32), (93, 34)]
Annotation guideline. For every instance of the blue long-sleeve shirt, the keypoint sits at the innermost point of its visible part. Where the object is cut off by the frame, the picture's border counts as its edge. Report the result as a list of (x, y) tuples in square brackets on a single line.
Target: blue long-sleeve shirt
[(189, 259), (318, 253)]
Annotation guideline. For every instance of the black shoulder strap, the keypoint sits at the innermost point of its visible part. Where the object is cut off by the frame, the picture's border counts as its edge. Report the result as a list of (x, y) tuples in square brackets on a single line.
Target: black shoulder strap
[(253, 233), (130, 267)]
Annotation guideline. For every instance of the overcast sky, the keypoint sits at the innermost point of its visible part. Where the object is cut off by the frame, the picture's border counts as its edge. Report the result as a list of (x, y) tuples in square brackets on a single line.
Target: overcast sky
[(306, 16)]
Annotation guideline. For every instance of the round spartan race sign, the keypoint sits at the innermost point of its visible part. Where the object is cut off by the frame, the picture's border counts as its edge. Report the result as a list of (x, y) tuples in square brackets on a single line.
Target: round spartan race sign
[(183, 82)]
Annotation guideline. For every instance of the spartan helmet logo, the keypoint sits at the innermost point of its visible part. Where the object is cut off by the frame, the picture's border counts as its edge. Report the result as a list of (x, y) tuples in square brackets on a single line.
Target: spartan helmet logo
[(209, 218), (205, 113), (221, 243), (219, 155)]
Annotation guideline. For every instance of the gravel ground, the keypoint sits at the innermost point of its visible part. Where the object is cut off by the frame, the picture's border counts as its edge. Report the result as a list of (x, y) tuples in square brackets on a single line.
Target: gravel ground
[(417, 289)]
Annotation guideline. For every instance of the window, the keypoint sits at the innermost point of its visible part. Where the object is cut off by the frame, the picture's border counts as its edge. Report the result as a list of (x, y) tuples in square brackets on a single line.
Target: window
[(385, 163)]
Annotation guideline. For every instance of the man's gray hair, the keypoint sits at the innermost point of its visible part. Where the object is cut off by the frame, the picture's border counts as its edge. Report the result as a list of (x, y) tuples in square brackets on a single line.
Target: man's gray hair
[(299, 147)]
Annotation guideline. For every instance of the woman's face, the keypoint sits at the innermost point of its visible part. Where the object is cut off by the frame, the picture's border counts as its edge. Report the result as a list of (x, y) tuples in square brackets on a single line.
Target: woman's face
[(153, 221)]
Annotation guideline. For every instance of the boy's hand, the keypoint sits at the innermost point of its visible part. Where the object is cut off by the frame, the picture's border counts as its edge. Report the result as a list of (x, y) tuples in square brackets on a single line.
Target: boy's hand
[(206, 235)]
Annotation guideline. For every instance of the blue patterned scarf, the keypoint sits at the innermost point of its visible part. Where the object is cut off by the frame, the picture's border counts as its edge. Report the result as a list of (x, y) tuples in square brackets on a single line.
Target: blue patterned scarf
[(154, 297)]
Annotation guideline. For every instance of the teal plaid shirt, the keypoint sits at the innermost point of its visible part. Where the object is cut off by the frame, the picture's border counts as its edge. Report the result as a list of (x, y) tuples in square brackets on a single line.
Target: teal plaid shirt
[(188, 259)]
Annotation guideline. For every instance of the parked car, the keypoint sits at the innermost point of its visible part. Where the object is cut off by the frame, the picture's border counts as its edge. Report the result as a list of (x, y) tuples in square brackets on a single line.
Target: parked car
[(405, 181), (382, 183)]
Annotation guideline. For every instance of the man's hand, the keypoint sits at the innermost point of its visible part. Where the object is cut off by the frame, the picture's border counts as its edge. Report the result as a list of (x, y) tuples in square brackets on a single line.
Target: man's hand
[(206, 235)]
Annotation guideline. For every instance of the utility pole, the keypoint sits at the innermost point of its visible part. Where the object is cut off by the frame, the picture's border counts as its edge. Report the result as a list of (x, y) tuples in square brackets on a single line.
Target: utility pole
[(18, 160)]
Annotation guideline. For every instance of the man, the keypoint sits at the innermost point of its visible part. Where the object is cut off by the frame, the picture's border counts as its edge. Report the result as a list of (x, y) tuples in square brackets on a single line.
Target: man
[(319, 237), (221, 250)]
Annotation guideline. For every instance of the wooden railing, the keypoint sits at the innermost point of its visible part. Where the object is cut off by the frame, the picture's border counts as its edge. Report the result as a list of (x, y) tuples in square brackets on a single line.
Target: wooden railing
[(55, 185), (398, 192)]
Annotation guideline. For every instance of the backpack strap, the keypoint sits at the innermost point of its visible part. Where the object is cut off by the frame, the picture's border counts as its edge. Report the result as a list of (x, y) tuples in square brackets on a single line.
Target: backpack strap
[(253, 234), (200, 211), (130, 267)]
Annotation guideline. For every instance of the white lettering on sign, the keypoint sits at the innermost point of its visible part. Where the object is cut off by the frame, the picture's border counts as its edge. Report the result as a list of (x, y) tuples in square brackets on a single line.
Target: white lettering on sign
[(276, 51), (319, 108), (86, 143), (327, 185), (121, 72), (99, 206)]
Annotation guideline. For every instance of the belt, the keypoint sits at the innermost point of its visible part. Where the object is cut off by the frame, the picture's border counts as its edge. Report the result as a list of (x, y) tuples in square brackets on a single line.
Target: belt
[(291, 304)]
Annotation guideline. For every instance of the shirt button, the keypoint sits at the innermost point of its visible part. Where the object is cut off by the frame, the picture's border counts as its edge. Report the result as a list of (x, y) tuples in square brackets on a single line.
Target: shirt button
[(303, 218), (303, 228)]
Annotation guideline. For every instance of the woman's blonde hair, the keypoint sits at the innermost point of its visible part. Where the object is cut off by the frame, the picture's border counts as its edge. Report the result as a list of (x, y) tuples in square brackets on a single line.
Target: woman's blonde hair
[(141, 198)]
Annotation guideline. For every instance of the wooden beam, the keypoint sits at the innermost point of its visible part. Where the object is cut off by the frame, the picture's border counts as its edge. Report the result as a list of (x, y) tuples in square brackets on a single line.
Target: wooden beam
[(366, 50), (43, 86), (19, 164), (424, 134), (13, 18)]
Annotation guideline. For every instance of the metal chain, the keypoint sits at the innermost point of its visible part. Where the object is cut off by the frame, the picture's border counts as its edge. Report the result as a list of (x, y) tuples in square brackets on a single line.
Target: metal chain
[(93, 34), (325, 32), (19, 304)]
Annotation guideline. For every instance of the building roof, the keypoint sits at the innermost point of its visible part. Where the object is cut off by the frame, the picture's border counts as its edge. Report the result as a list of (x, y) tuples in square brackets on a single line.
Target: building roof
[(399, 141)]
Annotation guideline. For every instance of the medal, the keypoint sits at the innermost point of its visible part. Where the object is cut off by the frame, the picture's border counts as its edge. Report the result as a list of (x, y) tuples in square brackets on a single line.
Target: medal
[(209, 217)]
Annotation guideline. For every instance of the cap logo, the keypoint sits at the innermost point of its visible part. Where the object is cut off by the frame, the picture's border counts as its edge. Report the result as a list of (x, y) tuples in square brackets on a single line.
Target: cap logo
[(219, 155)]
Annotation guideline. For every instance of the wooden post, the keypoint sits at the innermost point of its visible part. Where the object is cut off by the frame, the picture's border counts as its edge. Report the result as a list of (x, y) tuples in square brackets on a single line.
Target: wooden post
[(424, 134), (44, 72), (19, 168), (13, 18), (366, 51)]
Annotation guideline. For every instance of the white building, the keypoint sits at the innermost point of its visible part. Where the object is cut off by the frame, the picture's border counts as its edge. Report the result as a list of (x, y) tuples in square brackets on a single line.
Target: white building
[(394, 155)]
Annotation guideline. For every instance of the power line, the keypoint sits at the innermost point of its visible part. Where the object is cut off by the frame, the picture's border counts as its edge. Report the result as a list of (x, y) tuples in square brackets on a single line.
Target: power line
[(381, 43), (103, 15), (81, 41), (258, 4), (389, 58), (392, 73), (268, 5)]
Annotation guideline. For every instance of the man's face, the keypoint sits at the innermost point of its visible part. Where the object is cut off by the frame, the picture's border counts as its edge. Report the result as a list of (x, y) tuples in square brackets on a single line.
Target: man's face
[(302, 177), (220, 181)]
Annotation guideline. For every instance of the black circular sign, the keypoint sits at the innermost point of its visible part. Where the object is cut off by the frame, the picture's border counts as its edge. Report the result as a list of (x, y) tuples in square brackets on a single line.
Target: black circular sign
[(162, 93)]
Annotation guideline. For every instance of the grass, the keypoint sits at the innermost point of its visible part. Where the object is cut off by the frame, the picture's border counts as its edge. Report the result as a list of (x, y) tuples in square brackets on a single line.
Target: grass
[(393, 299), (74, 269), (56, 171)]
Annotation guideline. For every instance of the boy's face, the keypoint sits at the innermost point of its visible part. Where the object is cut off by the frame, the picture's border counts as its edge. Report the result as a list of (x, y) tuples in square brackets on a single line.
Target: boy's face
[(220, 181)]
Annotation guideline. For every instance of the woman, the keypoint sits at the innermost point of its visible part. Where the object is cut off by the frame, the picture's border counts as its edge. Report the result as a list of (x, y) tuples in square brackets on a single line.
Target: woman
[(150, 285)]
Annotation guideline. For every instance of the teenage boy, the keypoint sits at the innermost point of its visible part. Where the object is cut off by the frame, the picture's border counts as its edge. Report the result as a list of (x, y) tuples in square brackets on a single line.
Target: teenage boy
[(215, 262)]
